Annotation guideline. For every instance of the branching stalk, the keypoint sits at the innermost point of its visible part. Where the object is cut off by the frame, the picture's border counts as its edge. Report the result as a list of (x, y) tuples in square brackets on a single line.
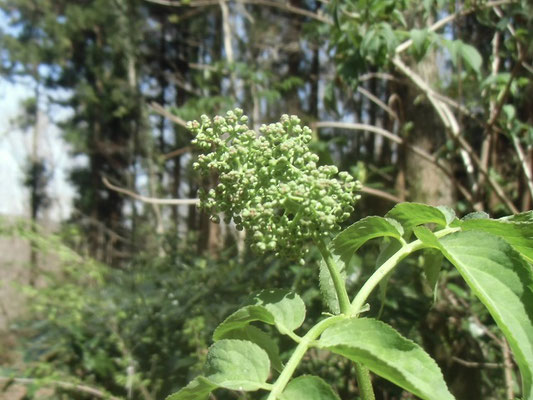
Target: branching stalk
[(362, 373), (387, 267), (298, 354)]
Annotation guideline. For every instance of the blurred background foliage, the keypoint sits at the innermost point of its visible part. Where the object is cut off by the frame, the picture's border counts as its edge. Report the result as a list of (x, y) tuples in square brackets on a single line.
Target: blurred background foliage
[(422, 101)]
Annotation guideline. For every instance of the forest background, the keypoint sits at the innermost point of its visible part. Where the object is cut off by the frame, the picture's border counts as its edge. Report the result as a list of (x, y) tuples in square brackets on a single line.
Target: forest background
[(428, 101)]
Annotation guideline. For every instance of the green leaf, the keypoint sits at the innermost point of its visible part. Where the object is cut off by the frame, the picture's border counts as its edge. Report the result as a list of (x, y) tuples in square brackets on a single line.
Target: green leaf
[(346, 243), (453, 47), (413, 214), (522, 217), (308, 387), (420, 43), (517, 234), (327, 288), (400, 17), (198, 389), (260, 338), (476, 215), (237, 365), (509, 111), (503, 282), (448, 213), (432, 264), (242, 318), (432, 257), (471, 57), (384, 351), (282, 308)]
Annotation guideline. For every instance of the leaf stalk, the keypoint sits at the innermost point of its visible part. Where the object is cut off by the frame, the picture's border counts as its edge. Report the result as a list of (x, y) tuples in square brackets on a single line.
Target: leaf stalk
[(388, 266)]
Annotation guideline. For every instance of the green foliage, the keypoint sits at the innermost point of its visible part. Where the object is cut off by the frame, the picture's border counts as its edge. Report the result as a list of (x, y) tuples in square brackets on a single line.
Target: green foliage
[(496, 273), (502, 281), (387, 353), (310, 388), (352, 238), (145, 321), (276, 307), (237, 365)]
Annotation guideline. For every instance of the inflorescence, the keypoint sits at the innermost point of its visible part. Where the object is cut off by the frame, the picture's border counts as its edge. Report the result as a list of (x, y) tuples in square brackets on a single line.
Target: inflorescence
[(269, 184)]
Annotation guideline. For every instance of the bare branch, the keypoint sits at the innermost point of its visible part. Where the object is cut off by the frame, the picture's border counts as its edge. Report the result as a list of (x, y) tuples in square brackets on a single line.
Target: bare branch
[(446, 20), (180, 82), (507, 370), (282, 5), (158, 108), (150, 200), (377, 101), (168, 3), (360, 127), (177, 152), (474, 364), (65, 385), (449, 121), (381, 194), (503, 97), (396, 139), (227, 36), (286, 6), (227, 30), (523, 162), (378, 75)]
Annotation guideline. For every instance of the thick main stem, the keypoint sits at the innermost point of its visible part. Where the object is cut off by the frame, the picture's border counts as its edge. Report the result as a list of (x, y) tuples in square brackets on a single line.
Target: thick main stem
[(365, 384), (338, 282)]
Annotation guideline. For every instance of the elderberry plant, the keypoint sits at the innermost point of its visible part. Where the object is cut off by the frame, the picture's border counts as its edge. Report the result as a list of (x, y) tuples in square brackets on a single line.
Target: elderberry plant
[(269, 184)]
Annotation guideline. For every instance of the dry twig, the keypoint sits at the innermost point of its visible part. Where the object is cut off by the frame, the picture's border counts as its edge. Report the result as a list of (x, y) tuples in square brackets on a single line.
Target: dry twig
[(396, 139), (65, 385), (158, 108), (446, 20), (150, 200)]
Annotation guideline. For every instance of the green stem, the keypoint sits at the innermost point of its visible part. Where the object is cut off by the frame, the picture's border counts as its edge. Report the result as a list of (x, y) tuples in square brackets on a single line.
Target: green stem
[(363, 380), (338, 282), (388, 266), (298, 354), (362, 373)]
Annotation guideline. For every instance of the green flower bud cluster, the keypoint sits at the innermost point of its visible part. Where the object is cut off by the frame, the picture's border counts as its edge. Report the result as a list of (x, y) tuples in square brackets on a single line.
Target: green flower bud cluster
[(270, 184)]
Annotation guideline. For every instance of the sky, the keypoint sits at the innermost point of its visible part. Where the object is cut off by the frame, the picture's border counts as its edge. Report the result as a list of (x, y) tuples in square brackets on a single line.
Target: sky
[(15, 146)]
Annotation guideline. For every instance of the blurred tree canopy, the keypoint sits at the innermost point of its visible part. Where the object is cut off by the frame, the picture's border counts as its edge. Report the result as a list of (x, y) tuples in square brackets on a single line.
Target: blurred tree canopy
[(426, 101)]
